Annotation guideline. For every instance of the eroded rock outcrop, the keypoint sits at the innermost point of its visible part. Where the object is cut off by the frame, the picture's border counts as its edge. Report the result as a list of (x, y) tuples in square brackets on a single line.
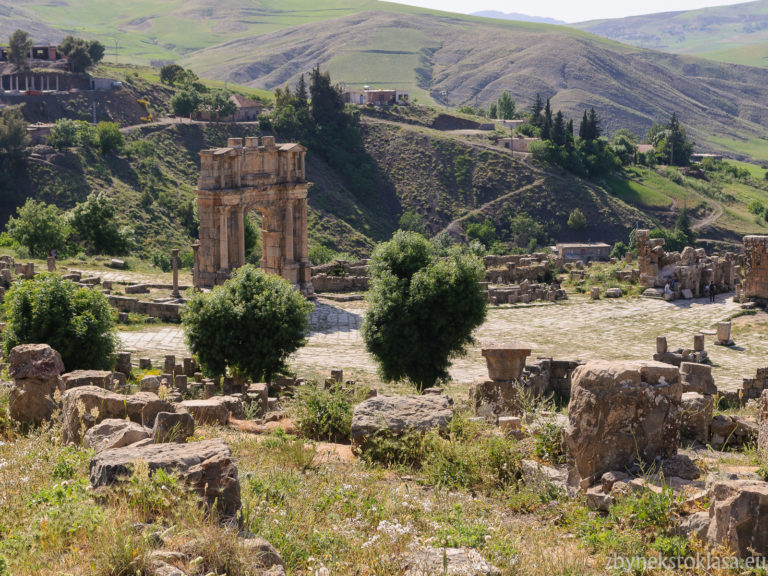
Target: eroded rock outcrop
[(35, 369)]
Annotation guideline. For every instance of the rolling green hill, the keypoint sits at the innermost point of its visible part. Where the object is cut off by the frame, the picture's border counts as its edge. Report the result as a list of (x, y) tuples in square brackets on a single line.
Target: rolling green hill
[(736, 33), (439, 57)]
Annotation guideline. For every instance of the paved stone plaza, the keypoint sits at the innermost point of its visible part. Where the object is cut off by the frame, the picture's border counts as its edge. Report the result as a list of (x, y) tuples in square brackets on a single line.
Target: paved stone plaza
[(579, 329)]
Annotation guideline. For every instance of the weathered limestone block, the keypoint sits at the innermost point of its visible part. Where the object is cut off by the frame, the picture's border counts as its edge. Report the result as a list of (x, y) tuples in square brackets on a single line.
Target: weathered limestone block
[(124, 363), (86, 406), (613, 293), (207, 467), (594, 292), (756, 266), (661, 344), (35, 369), (101, 378), (696, 416), (723, 337), (619, 412), (34, 362), (506, 361), (762, 435), (172, 427), (114, 433), (259, 392), (151, 383), (448, 562), (697, 378), (397, 415), (210, 411), (491, 399), (737, 513)]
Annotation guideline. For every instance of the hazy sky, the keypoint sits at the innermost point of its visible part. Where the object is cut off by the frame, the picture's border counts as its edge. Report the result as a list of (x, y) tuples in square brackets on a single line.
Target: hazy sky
[(569, 10)]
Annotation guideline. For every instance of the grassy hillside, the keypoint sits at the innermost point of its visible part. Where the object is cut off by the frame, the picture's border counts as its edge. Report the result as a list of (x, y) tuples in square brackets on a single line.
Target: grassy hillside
[(440, 57), (736, 33)]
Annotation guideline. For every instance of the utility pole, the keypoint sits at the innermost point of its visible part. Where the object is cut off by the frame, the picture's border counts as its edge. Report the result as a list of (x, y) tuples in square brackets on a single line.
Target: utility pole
[(117, 42)]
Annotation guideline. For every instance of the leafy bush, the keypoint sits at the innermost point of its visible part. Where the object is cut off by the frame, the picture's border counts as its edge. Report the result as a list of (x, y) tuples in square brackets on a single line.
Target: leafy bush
[(619, 250), (95, 223), (250, 324), (324, 414), (423, 309), (756, 207), (77, 322), (38, 227), (320, 254), (577, 220), (549, 442), (63, 134), (109, 137)]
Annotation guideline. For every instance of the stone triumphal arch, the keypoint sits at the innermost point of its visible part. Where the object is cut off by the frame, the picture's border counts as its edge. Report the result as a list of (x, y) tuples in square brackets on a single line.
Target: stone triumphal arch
[(243, 177)]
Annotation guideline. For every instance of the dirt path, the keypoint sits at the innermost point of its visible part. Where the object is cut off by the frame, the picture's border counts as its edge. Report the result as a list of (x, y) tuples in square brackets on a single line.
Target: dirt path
[(710, 220)]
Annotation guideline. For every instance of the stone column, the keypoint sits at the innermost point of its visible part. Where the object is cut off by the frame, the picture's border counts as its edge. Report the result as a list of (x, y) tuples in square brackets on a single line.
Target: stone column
[(288, 232), (301, 233), (223, 239), (57, 83), (175, 257), (26, 82), (196, 264), (240, 236)]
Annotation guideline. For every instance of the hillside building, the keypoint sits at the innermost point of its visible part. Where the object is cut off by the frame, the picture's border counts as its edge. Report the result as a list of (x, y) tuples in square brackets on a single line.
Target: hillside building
[(370, 97), (586, 252)]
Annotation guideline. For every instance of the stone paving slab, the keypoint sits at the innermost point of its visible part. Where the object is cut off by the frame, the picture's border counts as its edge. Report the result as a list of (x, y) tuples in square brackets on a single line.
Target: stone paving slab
[(580, 329)]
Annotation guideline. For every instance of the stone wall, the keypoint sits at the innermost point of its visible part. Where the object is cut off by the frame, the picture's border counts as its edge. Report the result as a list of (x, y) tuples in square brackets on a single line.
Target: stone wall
[(690, 269), (162, 310), (514, 268), (341, 276), (756, 267)]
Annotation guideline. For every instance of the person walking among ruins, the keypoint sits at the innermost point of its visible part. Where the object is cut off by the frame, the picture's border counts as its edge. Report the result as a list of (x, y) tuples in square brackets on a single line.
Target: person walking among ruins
[(712, 291)]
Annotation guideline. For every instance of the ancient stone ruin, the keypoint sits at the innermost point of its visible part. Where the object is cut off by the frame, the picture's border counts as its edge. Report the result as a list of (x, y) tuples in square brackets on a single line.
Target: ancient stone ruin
[(687, 272), (246, 176), (756, 267)]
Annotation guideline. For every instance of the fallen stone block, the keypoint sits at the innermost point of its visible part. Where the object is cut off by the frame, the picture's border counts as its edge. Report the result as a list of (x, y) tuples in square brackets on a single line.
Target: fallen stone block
[(397, 415), (207, 467), (210, 411), (113, 433), (620, 412), (85, 406), (173, 427), (736, 512), (696, 416)]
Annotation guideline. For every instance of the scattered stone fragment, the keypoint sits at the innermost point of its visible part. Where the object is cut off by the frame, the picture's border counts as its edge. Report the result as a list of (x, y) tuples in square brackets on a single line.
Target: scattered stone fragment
[(114, 433), (172, 427), (210, 411), (737, 513), (447, 562)]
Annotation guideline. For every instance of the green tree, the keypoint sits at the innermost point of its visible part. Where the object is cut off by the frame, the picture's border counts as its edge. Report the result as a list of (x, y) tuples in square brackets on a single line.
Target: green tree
[(558, 129), (683, 228), (485, 232), (109, 137), (624, 145), (19, 46), (81, 54), (327, 105), (63, 134), (38, 227), (577, 220), (95, 223), (756, 207), (546, 122), (251, 324), (493, 110), (410, 220), (184, 103), (536, 109), (422, 310), (170, 74), (506, 106), (76, 322), (13, 135), (219, 104)]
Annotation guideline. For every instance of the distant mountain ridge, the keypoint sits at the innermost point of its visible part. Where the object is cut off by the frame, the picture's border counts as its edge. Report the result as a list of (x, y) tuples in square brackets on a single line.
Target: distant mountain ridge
[(737, 33), (517, 16)]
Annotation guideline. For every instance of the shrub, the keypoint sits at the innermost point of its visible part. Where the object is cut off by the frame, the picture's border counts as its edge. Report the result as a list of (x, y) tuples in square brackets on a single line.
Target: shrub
[(756, 207), (577, 220), (250, 324), (38, 227), (109, 137), (96, 225), (77, 322), (320, 254), (423, 309), (324, 414), (63, 134)]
